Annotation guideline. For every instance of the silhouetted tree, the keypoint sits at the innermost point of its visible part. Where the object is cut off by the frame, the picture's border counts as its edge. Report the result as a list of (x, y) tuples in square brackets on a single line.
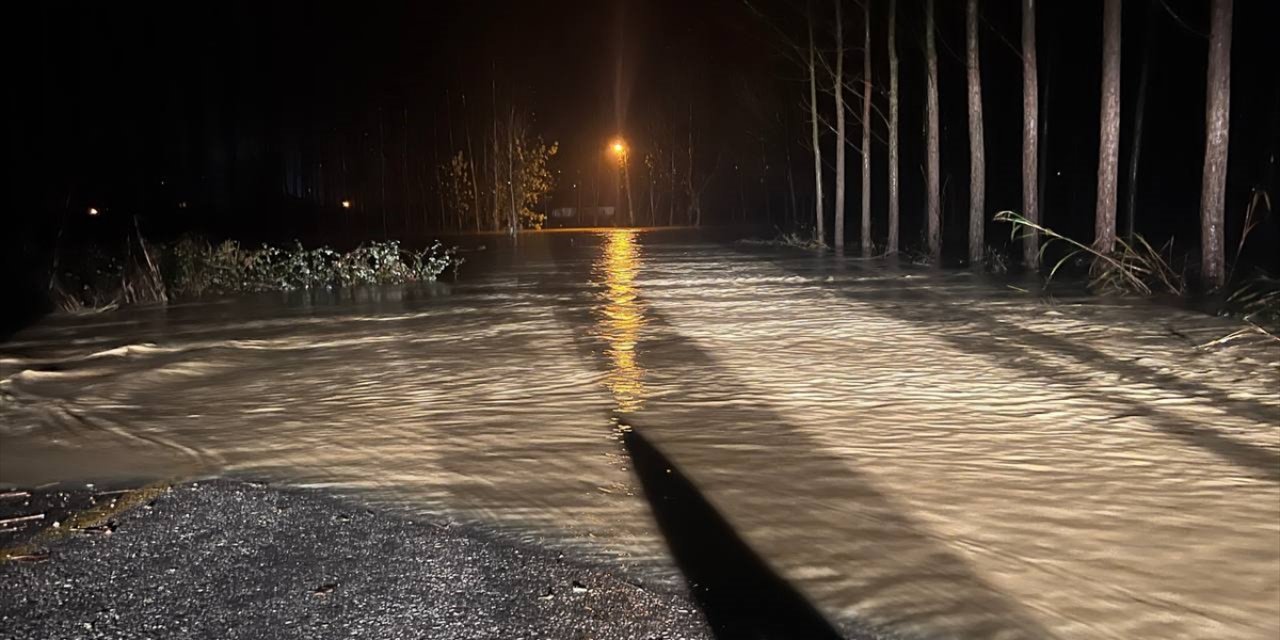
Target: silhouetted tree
[(1030, 115), (1109, 136), (866, 129), (1217, 121), (977, 153), (841, 138), (892, 240), (819, 234), (933, 208)]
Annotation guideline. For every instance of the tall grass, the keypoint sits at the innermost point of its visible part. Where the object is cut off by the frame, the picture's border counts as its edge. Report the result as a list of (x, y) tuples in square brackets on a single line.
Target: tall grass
[(1133, 268)]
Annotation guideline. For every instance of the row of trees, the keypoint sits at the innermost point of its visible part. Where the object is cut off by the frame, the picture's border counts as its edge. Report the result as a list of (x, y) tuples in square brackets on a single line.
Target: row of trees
[(826, 74), (500, 186)]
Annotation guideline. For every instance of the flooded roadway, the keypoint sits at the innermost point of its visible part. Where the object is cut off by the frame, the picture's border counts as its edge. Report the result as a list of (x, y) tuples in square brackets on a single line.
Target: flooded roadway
[(920, 450)]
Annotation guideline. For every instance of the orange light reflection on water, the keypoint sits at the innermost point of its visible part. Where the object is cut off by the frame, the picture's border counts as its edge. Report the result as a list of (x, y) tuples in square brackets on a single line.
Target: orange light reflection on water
[(622, 317)]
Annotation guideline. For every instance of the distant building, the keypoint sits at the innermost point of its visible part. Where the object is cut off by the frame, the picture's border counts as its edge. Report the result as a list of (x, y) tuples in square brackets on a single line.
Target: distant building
[(562, 217)]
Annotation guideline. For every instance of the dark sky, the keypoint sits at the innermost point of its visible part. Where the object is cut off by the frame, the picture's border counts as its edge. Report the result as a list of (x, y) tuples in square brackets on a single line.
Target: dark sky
[(244, 109)]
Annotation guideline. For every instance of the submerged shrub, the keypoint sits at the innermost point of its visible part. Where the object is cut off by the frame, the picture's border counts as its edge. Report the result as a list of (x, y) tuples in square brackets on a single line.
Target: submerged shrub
[(196, 267)]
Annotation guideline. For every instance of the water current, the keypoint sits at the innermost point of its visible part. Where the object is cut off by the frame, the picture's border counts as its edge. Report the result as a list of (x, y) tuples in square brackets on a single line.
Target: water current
[(930, 452)]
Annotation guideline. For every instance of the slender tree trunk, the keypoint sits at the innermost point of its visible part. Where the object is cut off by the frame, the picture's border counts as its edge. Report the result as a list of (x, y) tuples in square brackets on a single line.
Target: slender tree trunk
[(404, 173), (382, 172), (626, 184), (841, 139), (933, 222), (496, 189), (1217, 121), (1139, 116), (671, 205), (1104, 235), (892, 241), (511, 161), (435, 171), (1030, 116), (819, 234), (866, 129), (791, 185), (471, 162), (977, 145)]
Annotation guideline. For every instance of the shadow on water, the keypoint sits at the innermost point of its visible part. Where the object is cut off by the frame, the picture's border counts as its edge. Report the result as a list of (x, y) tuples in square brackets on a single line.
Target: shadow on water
[(1019, 349), (778, 492), (740, 595)]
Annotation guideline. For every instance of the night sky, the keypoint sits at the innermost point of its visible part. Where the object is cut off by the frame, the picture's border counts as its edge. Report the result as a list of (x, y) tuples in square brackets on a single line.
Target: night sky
[(255, 119)]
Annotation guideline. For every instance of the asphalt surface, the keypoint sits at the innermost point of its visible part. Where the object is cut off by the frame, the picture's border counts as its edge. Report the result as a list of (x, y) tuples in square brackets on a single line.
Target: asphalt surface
[(229, 559)]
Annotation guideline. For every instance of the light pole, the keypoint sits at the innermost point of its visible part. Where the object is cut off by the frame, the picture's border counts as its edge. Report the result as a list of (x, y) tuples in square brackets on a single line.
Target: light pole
[(620, 150)]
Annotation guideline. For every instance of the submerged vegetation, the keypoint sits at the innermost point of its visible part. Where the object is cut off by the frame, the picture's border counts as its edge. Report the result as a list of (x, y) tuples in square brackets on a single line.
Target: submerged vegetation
[(192, 267), (1134, 267)]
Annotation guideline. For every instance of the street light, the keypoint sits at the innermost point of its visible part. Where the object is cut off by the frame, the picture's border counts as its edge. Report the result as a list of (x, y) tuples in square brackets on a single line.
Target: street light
[(93, 211), (346, 204)]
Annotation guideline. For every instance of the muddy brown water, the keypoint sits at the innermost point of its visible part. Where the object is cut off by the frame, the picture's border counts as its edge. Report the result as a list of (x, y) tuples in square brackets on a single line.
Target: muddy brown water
[(927, 451)]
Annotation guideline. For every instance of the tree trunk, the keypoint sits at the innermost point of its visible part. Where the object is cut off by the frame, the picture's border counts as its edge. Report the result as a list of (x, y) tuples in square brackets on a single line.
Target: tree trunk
[(1104, 234), (497, 200), (1139, 113), (671, 205), (977, 146), (511, 161), (404, 174), (1030, 139), (933, 210), (791, 186), (819, 234), (1217, 121), (626, 180), (866, 130), (382, 172), (892, 241), (471, 162), (838, 87)]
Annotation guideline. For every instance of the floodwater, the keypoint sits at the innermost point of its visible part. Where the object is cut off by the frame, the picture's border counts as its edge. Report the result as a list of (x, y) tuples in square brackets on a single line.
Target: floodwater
[(925, 451)]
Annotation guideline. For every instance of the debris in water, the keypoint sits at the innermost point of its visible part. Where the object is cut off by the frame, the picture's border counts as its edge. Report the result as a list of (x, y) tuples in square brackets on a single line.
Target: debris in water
[(36, 516)]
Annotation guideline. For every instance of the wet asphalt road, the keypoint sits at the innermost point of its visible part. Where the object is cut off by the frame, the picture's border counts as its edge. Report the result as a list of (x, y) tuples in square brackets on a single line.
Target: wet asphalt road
[(235, 560)]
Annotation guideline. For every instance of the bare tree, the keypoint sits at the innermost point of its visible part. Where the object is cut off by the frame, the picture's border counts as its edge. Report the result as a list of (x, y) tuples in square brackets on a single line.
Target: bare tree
[(866, 129), (933, 208), (1104, 235), (892, 241), (841, 139), (1217, 121), (819, 214), (977, 149), (1030, 115)]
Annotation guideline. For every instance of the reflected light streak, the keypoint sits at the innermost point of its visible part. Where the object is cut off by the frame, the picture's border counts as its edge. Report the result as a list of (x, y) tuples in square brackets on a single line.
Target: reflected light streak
[(621, 318)]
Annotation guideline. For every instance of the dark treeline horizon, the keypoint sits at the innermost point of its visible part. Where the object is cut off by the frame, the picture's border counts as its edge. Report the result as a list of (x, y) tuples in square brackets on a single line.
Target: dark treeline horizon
[(256, 120)]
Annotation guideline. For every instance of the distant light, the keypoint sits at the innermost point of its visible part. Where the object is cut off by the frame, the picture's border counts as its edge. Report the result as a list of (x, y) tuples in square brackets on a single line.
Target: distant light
[(93, 211), (346, 204), (182, 205), (618, 147)]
